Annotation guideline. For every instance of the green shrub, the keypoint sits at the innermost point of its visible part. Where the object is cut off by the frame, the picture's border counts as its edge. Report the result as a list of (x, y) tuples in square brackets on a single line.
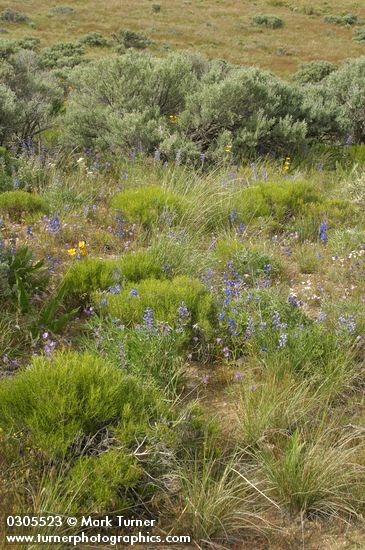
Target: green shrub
[(282, 200), (13, 16), (359, 35), (314, 72), (269, 21), (132, 39), (16, 203), (29, 99), (149, 205), (60, 401), (348, 19), (62, 54), (61, 10), (92, 274), (94, 39), (164, 298), (104, 481)]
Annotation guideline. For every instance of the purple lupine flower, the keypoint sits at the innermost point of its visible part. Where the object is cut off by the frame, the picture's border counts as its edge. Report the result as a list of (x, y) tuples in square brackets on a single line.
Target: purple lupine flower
[(149, 322), (323, 228), (276, 322), (250, 328), (226, 352), (283, 340), (53, 224)]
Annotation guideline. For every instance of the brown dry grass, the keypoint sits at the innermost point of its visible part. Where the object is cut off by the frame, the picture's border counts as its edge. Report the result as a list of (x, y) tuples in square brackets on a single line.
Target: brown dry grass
[(217, 28)]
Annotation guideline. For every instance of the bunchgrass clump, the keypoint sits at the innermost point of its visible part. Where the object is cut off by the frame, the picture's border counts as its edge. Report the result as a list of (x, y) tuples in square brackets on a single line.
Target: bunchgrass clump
[(315, 473)]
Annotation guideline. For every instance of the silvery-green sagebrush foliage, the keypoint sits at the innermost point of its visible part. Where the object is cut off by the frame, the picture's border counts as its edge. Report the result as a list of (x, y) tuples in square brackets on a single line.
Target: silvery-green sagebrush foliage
[(29, 98), (128, 102)]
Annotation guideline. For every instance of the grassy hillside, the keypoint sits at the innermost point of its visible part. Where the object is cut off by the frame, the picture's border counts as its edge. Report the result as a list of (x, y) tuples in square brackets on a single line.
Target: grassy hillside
[(222, 29)]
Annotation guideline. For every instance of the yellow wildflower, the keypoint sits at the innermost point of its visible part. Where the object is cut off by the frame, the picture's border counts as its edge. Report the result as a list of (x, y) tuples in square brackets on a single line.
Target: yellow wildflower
[(72, 251), (82, 248), (228, 148), (173, 119)]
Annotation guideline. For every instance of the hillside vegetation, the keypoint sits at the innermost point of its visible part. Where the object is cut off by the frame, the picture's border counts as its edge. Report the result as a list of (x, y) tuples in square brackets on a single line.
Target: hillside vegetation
[(182, 261), (219, 29)]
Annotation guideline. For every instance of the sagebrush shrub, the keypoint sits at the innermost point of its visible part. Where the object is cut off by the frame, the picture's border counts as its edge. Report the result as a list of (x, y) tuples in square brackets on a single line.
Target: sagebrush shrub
[(61, 10), (94, 39), (269, 21), (150, 205), (16, 203), (359, 35), (314, 71), (62, 54), (13, 16), (348, 19), (132, 39)]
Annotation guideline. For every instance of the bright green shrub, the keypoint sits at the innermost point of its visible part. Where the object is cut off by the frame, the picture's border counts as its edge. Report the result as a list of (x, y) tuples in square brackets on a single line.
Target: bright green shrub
[(92, 274), (16, 203), (104, 481), (148, 205), (164, 297), (282, 200), (268, 21), (73, 396)]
